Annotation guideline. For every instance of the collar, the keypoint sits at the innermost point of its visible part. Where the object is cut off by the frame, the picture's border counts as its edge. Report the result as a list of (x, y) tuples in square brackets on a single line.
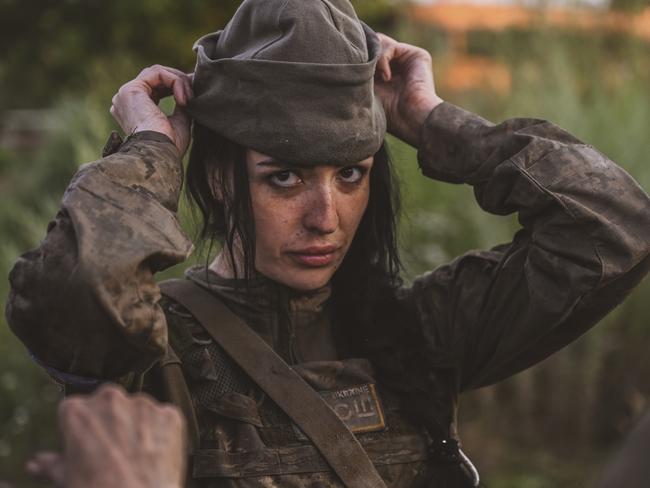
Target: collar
[(295, 323)]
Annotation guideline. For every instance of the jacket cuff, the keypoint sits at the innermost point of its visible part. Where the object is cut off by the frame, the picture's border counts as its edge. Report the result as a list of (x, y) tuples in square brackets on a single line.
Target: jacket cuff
[(74, 383), (116, 143), (452, 145)]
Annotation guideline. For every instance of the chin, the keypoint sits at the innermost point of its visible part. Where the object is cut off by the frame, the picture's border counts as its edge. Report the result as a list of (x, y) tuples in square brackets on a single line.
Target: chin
[(304, 280)]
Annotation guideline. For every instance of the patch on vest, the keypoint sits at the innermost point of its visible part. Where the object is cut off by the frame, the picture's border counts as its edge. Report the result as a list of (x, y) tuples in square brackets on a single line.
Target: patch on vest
[(358, 407)]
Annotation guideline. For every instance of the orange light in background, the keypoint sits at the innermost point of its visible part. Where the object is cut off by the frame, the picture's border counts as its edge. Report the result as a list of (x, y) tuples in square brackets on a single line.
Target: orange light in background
[(462, 18), (465, 72), (472, 72)]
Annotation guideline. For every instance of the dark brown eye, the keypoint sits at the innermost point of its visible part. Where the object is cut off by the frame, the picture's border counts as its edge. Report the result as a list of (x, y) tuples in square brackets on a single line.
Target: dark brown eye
[(284, 179), (351, 174)]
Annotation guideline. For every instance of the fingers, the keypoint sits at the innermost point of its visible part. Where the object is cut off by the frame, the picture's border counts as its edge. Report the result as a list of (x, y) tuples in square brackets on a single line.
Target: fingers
[(395, 55), (112, 405), (48, 465), (135, 105), (116, 436), (162, 81), (76, 412), (180, 122), (388, 46), (189, 77), (156, 82)]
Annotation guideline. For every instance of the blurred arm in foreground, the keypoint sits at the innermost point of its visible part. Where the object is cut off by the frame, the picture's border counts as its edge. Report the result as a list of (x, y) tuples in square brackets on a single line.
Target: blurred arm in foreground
[(111, 439)]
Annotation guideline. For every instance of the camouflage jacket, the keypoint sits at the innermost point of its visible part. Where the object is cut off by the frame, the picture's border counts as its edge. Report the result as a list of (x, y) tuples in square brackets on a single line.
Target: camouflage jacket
[(86, 302)]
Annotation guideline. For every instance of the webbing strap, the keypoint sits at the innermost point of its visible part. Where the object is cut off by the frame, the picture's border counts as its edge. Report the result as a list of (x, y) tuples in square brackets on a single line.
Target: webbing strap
[(280, 382)]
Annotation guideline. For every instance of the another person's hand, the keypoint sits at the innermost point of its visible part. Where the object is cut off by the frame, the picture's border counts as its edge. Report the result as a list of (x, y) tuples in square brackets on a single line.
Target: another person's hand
[(404, 84), (114, 440), (135, 105)]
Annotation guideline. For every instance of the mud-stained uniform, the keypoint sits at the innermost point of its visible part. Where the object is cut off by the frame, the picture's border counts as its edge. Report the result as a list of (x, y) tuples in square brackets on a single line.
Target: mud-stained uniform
[(487, 315)]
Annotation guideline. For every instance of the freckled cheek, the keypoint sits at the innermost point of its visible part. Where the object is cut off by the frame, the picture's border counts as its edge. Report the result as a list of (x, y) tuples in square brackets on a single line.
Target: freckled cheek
[(276, 223), (351, 210)]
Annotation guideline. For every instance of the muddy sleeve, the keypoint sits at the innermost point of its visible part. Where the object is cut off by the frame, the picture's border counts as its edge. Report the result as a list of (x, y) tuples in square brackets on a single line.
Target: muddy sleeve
[(85, 301), (583, 245)]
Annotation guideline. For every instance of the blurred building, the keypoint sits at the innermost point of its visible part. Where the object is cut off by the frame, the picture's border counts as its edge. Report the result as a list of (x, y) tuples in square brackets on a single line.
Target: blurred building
[(458, 18)]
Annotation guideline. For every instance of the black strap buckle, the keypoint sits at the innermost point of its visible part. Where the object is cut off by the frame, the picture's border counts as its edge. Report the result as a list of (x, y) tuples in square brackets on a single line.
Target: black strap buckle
[(445, 451), (448, 452)]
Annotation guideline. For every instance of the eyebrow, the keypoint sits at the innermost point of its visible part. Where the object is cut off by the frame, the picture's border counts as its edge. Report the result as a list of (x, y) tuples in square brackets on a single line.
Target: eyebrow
[(267, 163), (275, 163)]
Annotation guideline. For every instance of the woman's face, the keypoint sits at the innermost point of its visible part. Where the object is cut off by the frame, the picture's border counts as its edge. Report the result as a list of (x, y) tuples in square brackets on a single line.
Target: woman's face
[(305, 217)]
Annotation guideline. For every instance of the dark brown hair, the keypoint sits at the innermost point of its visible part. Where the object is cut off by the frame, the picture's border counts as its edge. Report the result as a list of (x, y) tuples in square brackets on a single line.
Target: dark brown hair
[(215, 159), (370, 270)]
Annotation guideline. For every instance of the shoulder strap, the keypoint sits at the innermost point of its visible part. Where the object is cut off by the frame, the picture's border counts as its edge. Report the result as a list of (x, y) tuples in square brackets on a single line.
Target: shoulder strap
[(281, 383), (176, 391)]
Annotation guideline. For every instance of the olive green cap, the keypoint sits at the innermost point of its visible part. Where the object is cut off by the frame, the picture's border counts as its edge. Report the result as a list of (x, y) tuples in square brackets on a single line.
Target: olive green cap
[(293, 79)]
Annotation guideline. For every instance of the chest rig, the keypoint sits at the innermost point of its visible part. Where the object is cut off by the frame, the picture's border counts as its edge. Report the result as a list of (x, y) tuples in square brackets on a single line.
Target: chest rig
[(242, 438)]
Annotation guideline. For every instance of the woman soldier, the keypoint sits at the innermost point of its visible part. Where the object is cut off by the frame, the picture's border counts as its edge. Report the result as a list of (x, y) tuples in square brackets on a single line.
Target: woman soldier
[(290, 104)]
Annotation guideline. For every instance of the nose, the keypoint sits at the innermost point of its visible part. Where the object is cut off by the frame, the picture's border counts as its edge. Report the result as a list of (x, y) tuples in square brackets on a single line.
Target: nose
[(321, 214)]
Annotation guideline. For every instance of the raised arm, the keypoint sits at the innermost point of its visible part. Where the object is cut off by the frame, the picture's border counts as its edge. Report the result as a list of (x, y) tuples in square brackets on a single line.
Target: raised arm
[(85, 301), (584, 242)]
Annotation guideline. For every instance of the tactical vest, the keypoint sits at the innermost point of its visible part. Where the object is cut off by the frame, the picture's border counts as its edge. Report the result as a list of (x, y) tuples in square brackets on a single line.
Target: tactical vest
[(242, 439)]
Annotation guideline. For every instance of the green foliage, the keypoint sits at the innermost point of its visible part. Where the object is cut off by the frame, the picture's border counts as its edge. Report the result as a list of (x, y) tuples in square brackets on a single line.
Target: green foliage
[(63, 42), (67, 43), (629, 5)]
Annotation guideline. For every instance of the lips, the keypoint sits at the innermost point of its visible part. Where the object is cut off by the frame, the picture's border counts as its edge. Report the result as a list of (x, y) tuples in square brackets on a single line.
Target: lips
[(315, 256)]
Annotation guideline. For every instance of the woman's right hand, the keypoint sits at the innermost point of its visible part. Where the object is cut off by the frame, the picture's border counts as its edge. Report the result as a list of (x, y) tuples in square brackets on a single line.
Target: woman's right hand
[(135, 105)]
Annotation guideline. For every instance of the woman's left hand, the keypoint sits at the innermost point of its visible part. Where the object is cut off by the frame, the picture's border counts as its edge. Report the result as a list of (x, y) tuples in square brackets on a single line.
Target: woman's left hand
[(404, 84)]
